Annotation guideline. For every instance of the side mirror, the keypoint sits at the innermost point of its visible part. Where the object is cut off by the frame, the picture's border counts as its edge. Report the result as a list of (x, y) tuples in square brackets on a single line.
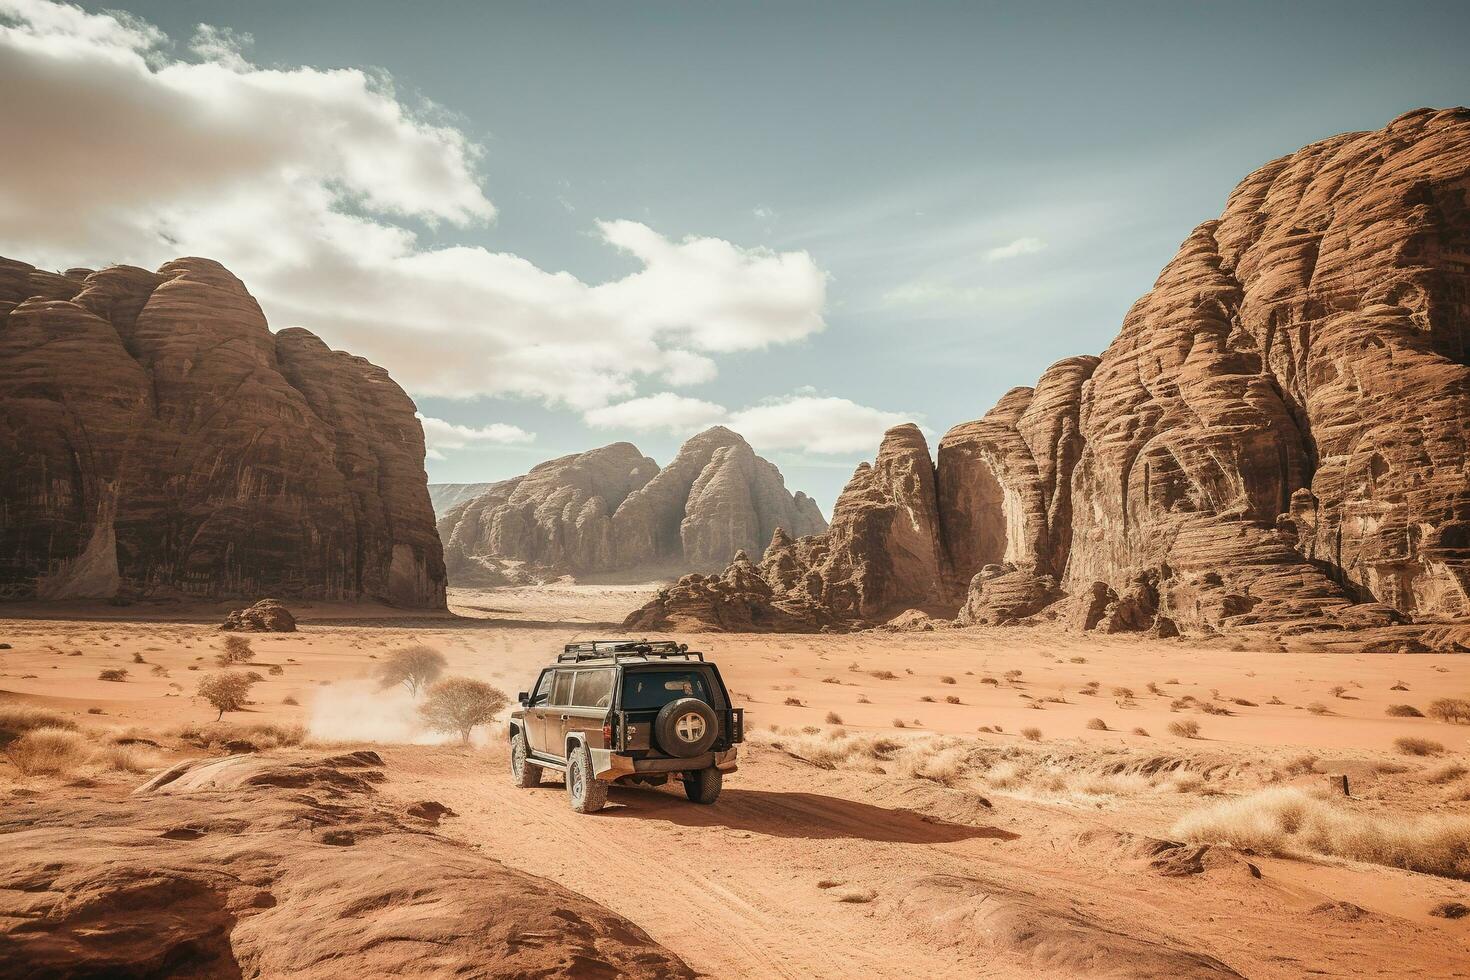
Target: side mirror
[(524, 698)]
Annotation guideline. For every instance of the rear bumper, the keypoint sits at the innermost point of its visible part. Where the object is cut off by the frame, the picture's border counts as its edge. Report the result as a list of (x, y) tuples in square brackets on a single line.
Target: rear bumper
[(611, 766)]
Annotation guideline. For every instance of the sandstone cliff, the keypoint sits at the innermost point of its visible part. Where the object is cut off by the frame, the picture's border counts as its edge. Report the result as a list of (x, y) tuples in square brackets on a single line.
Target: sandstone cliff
[(157, 438), (1277, 435), (613, 510)]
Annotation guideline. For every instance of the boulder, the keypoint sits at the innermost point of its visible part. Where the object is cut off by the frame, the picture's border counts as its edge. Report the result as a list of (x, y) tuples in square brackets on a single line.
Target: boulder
[(266, 616)]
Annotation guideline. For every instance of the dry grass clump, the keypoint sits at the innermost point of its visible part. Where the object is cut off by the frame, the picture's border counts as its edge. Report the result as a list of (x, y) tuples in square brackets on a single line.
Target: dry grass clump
[(262, 736), (927, 698), (117, 674), (290, 700), (1031, 734), (1318, 708), (49, 751), (857, 897), (883, 675), (1287, 820), (1403, 711), (1456, 711), (1409, 745), (126, 758), (17, 719), (1189, 728), (952, 699), (833, 718), (946, 679), (793, 703), (1141, 731), (1446, 773), (863, 699), (1097, 725), (899, 723)]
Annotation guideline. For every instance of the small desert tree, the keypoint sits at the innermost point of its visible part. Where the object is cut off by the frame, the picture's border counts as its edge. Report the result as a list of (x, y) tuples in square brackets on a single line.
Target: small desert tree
[(458, 704), (227, 692), (237, 651), (414, 667)]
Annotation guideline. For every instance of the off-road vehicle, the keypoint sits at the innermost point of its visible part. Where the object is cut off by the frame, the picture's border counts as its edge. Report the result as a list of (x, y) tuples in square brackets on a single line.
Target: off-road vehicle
[(626, 711)]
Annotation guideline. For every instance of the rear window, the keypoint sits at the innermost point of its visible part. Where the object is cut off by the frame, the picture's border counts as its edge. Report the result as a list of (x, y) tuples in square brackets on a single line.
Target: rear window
[(645, 689)]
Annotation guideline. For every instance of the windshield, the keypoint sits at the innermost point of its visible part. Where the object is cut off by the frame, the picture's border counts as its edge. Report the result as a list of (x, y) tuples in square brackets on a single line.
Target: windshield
[(645, 689)]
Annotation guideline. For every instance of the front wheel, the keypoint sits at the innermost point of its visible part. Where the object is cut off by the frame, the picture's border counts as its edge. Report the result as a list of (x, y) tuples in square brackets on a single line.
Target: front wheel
[(523, 772), (584, 792), (703, 785)]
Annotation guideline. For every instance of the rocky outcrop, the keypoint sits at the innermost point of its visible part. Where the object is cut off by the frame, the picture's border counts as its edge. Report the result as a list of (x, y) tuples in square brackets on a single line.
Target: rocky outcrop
[(1276, 436), (265, 616), (158, 439), (1000, 595), (259, 866), (614, 510)]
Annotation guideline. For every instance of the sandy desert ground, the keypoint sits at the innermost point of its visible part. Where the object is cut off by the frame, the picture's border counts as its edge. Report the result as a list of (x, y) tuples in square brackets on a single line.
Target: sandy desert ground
[(1000, 831)]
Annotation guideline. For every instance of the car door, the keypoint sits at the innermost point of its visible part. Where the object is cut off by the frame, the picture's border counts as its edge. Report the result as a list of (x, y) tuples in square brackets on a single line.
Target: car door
[(554, 732), (591, 701), (536, 712)]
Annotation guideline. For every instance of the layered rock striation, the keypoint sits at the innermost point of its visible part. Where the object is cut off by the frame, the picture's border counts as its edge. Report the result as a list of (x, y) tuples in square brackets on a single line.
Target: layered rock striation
[(157, 439), (613, 509), (1277, 435)]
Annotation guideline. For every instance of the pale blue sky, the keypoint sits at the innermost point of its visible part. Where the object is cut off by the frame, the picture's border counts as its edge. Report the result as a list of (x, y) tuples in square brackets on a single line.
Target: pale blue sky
[(987, 186)]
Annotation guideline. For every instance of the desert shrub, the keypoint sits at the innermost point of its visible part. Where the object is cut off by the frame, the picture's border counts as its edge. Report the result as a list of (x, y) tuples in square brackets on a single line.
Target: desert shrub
[(947, 680), (1337, 691), (1188, 728), (290, 700), (255, 676), (1243, 702), (458, 705), (1399, 686), (276, 670), (989, 680), (158, 670), (1403, 711), (883, 675), (1077, 660), (17, 719), (810, 730), (1409, 745), (1097, 725), (1141, 731), (225, 692), (927, 698), (1031, 734), (138, 659), (48, 751), (1447, 773), (1286, 820), (1275, 700), (1153, 688), (117, 674), (793, 703), (262, 736), (1317, 708), (899, 723), (236, 651), (830, 680), (952, 699), (1453, 710), (858, 897), (1123, 693), (833, 718), (414, 667), (1012, 675), (863, 699), (1210, 708)]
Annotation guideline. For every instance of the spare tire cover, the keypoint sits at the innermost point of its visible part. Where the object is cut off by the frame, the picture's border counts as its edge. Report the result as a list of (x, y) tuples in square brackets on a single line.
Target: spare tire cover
[(685, 728)]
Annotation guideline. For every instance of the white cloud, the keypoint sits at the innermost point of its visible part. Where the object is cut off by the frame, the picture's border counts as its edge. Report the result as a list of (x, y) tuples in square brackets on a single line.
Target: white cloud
[(1021, 246), (802, 421), (441, 436), (300, 180), (932, 293), (667, 411)]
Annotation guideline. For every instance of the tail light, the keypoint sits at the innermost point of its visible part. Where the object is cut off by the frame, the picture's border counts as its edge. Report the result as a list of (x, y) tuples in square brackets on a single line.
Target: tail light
[(607, 741)]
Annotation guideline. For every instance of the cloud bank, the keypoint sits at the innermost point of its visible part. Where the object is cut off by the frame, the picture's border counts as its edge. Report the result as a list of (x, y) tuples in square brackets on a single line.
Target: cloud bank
[(309, 184)]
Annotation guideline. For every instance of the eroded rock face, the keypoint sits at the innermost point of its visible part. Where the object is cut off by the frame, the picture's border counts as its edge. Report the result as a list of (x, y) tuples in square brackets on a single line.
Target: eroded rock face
[(612, 509), (1277, 435), (157, 438), (256, 866), (265, 616)]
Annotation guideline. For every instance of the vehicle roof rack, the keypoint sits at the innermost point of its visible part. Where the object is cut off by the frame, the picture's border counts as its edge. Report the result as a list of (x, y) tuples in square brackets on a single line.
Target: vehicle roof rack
[(614, 649)]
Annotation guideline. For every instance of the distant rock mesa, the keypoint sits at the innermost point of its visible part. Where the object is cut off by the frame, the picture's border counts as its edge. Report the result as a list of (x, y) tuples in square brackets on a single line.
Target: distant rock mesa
[(1276, 437), (156, 439), (612, 509)]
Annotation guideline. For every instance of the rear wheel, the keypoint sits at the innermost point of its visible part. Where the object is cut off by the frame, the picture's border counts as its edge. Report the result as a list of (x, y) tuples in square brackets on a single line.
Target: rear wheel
[(523, 772), (703, 785), (584, 792)]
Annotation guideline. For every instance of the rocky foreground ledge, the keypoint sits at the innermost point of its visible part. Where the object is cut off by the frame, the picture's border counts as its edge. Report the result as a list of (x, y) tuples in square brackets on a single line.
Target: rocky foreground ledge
[(258, 866)]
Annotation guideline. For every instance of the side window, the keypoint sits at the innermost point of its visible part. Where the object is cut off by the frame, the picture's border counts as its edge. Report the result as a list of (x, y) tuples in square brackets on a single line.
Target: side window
[(594, 688), (543, 689), (561, 694)]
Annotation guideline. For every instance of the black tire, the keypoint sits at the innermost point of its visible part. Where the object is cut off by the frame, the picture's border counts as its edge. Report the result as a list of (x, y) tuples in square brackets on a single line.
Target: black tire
[(675, 724), (703, 785), (523, 772), (584, 792)]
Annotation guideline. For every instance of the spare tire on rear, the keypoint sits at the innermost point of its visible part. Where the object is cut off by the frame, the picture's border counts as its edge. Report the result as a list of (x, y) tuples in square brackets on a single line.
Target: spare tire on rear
[(685, 728)]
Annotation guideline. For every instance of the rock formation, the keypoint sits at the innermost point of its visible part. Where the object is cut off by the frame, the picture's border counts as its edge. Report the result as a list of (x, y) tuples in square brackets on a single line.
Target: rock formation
[(258, 866), (612, 509), (444, 497), (1277, 435), (157, 439), (266, 616)]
